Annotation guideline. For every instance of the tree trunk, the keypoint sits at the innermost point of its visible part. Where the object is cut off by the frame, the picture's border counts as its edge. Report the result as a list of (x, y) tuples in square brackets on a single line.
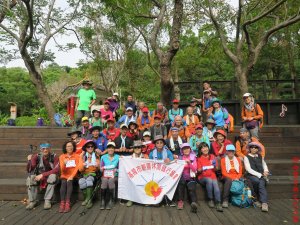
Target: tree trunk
[(167, 85), (241, 76), (291, 60), (36, 78)]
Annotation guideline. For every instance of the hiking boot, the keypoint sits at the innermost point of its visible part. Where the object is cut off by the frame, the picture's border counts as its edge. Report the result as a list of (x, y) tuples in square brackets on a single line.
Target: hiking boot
[(180, 205), (89, 192), (211, 204), (194, 207), (102, 199), (110, 197), (129, 203), (219, 207), (67, 206), (257, 204), (47, 204), (84, 191), (225, 204), (31, 205), (264, 207), (62, 206)]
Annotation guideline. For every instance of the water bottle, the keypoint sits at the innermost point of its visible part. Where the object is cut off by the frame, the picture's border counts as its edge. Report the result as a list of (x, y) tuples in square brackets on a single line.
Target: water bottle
[(249, 193)]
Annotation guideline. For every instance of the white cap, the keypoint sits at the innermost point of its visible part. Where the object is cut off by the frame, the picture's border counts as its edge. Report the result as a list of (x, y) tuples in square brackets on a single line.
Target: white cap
[(129, 108), (146, 133), (247, 95), (111, 143), (116, 94), (123, 125)]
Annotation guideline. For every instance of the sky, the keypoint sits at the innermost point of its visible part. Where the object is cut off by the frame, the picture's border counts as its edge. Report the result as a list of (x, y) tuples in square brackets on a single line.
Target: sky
[(72, 57)]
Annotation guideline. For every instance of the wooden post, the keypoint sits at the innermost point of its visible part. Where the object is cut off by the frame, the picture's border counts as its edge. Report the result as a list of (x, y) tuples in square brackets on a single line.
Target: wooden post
[(265, 88), (296, 88), (232, 89), (13, 110)]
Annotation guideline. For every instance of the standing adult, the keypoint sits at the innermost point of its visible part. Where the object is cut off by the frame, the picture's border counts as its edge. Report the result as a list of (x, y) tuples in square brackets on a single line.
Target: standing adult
[(130, 104), (114, 104), (174, 111), (162, 112), (86, 97), (105, 112)]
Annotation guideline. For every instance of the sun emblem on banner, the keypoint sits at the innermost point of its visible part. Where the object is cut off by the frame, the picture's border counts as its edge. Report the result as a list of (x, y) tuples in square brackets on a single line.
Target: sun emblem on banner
[(152, 188)]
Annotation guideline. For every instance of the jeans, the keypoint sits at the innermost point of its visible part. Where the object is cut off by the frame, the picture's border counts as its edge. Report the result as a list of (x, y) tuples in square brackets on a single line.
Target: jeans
[(259, 187), (211, 186)]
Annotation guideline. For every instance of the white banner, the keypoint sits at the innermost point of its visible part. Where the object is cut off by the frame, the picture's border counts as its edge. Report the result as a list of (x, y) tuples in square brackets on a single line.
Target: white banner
[(146, 181)]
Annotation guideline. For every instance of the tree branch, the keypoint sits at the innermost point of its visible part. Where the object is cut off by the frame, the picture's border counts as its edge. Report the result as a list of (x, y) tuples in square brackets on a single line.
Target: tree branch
[(29, 23), (15, 36), (238, 22), (11, 5)]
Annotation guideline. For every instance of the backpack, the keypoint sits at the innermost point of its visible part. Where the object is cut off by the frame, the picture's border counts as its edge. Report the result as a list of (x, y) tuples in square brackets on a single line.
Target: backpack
[(11, 122), (58, 119), (40, 122), (240, 194)]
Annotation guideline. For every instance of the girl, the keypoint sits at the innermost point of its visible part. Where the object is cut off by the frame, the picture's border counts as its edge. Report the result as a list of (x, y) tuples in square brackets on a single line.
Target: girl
[(88, 166), (206, 166), (68, 162)]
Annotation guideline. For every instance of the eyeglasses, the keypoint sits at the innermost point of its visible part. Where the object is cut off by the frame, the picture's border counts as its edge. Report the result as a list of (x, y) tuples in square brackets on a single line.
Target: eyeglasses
[(90, 146)]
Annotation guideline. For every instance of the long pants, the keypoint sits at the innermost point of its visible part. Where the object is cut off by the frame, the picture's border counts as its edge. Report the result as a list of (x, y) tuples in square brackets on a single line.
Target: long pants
[(253, 132), (32, 187), (227, 185), (108, 183), (211, 187), (191, 188), (80, 114), (259, 187), (66, 190)]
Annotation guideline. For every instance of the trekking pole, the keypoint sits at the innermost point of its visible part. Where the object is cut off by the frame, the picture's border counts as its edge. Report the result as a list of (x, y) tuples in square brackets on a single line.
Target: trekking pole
[(84, 211)]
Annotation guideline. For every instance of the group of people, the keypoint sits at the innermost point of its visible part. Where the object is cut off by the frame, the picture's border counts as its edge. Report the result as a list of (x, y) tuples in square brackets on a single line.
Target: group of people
[(99, 140)]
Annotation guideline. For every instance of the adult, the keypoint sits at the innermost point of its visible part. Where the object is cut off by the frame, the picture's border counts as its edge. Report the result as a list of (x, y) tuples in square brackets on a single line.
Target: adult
[(144, 121), (127, 118), (123, 143), (96, 119), (114, 104), (75, 135), (206, 102), (68, 162), (42, 171), (242, 142), (231, 168), (198, 138), (106, 113), (109, 168), (158, 128), (99, 139), (207, 87), (257, 173), (209, 129), (175, 141), (188, 178), (130, 104), (85, 128), (252, 115), (161, 152), (206, 166), (219, 145), (88, 167), (191, 120), (86, 97), (139, 111), (174, 111), (111, 132), (133, 132), (196, 109), (147, 143), (162, 112), (179, 123), (218, 114)]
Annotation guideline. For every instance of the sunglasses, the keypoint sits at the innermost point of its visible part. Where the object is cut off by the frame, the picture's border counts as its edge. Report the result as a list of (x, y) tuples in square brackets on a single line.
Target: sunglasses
[(90, 146), (253, 147)]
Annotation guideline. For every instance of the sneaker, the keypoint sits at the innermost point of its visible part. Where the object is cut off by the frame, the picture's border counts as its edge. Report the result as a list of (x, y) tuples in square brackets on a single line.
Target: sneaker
[(129, 203), (194, 207), (225, 204), (47, 204), (264, 207), (211, 204), (31, 205), (180, 205), (172, 204), (219, 207), (257, 204)]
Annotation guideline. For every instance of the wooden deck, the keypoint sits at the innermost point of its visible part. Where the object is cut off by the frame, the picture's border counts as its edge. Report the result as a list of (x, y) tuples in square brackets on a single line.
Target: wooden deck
[(280, 212)]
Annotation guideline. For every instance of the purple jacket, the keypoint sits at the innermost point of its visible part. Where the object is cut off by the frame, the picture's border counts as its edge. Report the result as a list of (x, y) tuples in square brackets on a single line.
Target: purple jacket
[(113, 105)]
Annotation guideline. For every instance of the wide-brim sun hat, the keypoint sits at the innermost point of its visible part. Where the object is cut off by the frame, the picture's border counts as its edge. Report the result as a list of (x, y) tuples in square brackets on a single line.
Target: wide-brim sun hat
[(74, 130), (254, 144), (214, 100), (88, 142), (222, 132), (95, 128), (157, 138)]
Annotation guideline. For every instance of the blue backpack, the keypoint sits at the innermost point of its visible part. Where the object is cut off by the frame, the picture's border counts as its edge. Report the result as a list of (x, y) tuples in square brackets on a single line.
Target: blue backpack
[(57, 119), (240, 194)]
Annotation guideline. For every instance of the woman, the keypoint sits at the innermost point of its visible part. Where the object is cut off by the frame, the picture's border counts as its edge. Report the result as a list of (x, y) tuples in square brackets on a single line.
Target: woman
[(147, 143), (109, 169), (69, 162), (133, 132), (206, 166), (187, 180), (196, 139), (231, 168), (210, 129), (182, 129), (191, 120), (220, 143), (258, 173), (96, 119), (252, 115), (88, 167), (111, 132), (144, 121), (218, 114)]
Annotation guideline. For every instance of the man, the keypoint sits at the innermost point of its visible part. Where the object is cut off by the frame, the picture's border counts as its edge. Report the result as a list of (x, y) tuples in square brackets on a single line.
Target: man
[(123, 143), (158, 128), (196, 109), (162, 112), (161, 152), (85, 128), (126, 119), (144, 121), (175, 111), (75, 135), (243, 140), (207, 87), (99, 139), (86, 97), (130, 103), (43, 169), (175, 141)]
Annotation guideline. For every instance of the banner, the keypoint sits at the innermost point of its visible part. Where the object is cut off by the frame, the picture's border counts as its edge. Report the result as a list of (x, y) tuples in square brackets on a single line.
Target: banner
[(147, 181)]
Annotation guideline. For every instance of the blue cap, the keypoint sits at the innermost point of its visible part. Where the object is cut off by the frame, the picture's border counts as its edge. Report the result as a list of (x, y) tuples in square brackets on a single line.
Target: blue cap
[(230, 147), (45, 145), (174, 128)]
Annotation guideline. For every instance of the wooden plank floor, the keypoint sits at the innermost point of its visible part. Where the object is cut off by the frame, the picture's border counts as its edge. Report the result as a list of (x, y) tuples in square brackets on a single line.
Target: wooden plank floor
[(14, 213)]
